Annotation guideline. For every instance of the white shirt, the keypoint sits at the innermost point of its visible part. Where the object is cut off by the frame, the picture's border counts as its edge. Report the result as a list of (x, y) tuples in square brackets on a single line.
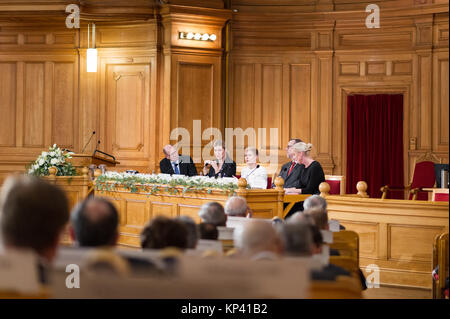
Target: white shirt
[(256, 178)]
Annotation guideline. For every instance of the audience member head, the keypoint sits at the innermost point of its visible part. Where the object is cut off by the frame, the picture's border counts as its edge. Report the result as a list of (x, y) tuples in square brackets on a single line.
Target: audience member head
[(257, 237), (314, 201), (213, 213), (94, 222), (208, 231), (301, 152), (291, 143), (33, 214), (170, 152), (317, 239), (236, 206), (320, 217), (297, 238), (162, 232), (191, 228)]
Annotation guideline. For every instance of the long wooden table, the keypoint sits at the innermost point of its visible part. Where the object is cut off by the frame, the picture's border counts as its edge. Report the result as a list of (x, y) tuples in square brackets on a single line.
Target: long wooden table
[(136, 209)]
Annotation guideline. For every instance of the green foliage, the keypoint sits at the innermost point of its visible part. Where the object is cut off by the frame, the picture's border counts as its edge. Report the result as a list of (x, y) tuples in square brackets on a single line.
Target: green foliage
[(152, 184)]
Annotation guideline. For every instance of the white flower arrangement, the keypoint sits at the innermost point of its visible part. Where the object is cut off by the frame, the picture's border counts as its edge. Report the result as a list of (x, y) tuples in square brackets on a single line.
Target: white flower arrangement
[(54, 157), (151, 183)]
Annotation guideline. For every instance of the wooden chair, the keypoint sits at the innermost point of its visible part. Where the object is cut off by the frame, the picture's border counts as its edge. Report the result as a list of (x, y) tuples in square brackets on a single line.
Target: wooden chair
[(441, 259), (348, 263), (347, 242), (440, 195), (337, 184), (343, 288)]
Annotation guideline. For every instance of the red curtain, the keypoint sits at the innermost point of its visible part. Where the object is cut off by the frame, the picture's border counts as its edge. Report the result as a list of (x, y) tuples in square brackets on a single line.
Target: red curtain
[(375, 142)]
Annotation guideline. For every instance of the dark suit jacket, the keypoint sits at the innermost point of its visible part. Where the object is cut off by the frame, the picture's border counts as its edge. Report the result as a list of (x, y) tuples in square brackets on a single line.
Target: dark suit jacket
[(293, 180), (186, 166), (228, 170)]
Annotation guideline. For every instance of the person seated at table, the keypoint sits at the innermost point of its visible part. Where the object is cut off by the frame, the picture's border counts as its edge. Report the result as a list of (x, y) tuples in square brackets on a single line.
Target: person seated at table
[(312, 174), (291, 170), (255, 174), (223, 166), (176, 164)]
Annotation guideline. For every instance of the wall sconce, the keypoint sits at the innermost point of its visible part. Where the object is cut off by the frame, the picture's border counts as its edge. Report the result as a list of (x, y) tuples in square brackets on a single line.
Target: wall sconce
[(197, 36), (91, 57)]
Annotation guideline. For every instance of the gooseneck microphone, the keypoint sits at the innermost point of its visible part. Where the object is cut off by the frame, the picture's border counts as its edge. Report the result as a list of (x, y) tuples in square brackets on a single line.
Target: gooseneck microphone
[(90, 138)]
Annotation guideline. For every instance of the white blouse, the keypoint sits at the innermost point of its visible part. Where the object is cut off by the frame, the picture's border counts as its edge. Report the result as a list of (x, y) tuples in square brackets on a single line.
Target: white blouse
[(256, 178)]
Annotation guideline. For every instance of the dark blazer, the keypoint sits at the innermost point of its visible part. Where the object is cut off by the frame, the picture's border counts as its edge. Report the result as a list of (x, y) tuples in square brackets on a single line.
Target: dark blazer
[(186, 166), (228, 170), (293, 180)]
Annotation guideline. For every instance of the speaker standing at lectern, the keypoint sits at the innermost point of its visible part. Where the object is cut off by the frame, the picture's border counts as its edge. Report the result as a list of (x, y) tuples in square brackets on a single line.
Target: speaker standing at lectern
[(175, 164)]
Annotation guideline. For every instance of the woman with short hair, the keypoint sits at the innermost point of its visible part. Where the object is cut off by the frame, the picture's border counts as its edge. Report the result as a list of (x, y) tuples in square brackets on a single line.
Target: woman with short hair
[(311, 176)]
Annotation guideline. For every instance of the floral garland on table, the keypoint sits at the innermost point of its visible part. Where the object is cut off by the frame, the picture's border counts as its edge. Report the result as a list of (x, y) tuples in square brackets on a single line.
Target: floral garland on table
[(154, 183), (54, 157)]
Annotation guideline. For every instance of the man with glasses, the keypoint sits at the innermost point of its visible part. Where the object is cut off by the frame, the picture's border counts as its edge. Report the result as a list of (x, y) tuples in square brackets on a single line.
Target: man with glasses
[(175, 164)]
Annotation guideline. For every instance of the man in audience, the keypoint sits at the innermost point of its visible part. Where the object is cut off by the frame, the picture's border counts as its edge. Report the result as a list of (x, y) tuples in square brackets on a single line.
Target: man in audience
[(213, 213), (94, 223), (258, 240), (208, 231), (296, 238), (237, 206), (191, 228), (319, 216), (317, 201), (164, 232), (33, 214), (176, 164)]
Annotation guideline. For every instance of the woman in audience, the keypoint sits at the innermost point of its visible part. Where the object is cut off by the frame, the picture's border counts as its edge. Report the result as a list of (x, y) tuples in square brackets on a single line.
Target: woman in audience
[(164, 232), (255, 174), (311, 176), (223, 166)]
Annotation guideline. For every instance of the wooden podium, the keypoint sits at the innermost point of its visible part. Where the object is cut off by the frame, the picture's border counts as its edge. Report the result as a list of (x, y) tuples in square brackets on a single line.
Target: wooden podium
[(85, 160)]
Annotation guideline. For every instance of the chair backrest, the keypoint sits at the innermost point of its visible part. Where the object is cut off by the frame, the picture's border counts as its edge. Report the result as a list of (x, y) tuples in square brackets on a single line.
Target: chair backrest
[(337, 184), (343, 288), (424, 177), (348, 263), (347, 242)]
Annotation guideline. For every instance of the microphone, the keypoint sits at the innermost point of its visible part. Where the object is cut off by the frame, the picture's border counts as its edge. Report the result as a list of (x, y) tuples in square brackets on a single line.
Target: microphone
[(90, 138), (257, 166)]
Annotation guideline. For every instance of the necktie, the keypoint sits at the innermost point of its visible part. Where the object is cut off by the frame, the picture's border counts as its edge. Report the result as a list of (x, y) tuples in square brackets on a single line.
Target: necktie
[(177, 171), (292, 166)]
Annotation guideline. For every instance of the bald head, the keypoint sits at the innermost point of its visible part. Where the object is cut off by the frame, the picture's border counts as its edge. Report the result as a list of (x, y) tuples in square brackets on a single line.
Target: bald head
[(256, 237), (95, 223), (236, 206), (170, 152)]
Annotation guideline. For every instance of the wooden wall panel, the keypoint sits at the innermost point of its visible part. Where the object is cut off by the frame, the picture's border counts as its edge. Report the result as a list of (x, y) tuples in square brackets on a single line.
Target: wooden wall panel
[(244, 82), (63, 112), (440, 102), (128, 108), (300, 106), (8, 76), (271, 101), (34, 105), (195, 94)]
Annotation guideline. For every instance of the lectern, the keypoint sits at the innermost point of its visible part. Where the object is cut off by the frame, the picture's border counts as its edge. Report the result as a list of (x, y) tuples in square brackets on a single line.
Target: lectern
[(85, 160)]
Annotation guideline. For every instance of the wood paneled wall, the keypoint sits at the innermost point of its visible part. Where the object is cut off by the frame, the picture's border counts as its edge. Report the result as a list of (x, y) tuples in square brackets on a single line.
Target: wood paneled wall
[(293, 70), (278, 64)]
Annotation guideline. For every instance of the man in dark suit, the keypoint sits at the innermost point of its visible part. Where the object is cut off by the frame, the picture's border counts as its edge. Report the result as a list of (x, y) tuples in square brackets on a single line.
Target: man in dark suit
[(176, 164), (290, 171)]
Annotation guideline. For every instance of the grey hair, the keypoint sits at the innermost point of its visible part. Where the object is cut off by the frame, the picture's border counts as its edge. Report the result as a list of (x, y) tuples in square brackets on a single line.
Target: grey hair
[(236, 206), (255, 236), (315, 201), (213, 213), (297, 238)]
